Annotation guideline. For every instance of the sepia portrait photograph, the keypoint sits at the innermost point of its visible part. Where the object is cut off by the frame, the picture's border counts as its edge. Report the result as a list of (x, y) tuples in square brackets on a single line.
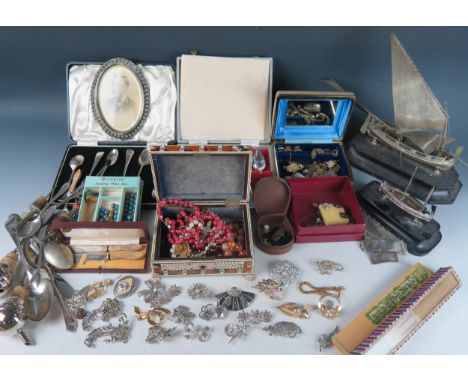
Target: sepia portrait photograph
[(120, 98)]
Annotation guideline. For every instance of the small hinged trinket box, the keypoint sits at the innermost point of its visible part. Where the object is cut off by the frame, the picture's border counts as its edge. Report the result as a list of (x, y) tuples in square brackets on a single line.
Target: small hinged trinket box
[(213, 180)]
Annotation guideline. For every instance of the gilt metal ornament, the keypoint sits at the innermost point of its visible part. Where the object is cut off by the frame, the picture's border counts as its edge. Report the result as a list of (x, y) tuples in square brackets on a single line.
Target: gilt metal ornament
[(153, 316)]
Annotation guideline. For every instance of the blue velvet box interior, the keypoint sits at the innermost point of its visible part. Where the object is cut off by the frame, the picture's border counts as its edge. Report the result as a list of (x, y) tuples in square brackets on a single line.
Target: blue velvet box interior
[(300, 132), (293, 131)]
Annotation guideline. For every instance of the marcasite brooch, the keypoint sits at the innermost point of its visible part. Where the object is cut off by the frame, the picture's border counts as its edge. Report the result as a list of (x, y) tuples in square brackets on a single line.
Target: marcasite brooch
[(158, 294), (158, 334), (119, 333), (283, 329)]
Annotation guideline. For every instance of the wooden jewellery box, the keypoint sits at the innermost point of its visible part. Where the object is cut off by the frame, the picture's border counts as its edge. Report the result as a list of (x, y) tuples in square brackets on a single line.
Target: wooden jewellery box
[(213, 178), (152, 93), (308, 129), (226, 101)]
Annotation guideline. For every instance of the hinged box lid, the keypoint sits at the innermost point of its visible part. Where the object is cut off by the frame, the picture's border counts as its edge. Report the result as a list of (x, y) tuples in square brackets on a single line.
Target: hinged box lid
[(159, 123), (224, 99), (218, 176), (336, 105)]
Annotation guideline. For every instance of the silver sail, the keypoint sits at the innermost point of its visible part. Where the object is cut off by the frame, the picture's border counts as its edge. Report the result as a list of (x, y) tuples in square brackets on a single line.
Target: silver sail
[(428, 142), (418, 114)]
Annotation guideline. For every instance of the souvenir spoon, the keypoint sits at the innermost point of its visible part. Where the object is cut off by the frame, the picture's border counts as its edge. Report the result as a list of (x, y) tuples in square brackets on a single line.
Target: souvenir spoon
[(110, 161), (97, 159), (258, 161), (144, 160), (128, 157)]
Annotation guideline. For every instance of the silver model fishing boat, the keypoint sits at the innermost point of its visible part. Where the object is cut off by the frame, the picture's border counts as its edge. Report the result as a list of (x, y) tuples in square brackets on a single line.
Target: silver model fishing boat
[(421, 123), (406, 202)]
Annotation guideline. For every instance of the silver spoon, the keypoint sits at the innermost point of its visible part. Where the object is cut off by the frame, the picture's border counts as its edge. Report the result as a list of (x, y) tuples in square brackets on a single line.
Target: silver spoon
[(58, 255), (39, 300), (110, 161), (258, 160), (40, 240), (70, 322), (26, 229), (144, 160), (74, 163), (97, 159), (128, 157)]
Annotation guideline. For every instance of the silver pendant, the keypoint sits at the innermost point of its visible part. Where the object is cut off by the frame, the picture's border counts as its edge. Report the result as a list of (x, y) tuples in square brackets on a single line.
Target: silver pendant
[(158, 334), (235, 299), (125, 286), (283, 329), (119, 333), (198, 290)]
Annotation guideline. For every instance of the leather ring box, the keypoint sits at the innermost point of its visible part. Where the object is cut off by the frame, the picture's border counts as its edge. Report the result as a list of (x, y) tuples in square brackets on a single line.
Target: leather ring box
[(272, 197)]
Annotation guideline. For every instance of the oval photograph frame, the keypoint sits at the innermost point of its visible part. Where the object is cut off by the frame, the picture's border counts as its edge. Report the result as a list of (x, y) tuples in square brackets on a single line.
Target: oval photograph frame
[(120, 98)]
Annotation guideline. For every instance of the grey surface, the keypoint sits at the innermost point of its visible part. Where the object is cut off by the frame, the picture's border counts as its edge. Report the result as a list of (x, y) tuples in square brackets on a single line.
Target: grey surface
[(34, 136)]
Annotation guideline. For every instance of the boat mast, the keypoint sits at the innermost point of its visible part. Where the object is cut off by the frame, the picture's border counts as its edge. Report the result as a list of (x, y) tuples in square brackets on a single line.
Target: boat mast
[(410, 181)]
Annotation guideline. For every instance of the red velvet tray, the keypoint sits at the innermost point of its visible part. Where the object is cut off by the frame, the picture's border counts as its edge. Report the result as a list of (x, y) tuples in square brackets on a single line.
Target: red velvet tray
[(335, 190)]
